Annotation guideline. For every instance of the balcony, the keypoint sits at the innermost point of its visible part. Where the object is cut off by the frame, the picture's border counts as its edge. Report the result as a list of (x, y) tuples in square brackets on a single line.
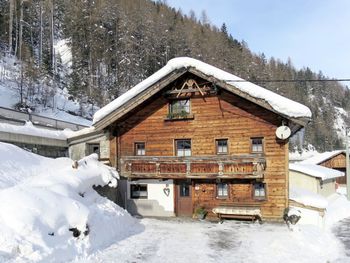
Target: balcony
[(200, 167)]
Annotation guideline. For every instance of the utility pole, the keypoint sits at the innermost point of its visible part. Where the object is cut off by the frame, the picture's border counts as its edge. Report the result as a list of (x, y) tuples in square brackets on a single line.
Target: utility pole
[(347, 131)]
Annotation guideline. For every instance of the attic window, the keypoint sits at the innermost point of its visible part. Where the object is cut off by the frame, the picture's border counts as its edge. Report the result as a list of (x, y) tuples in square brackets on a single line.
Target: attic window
[(179, 109)]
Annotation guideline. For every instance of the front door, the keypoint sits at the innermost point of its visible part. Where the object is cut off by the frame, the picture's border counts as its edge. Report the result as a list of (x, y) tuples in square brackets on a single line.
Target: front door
[(184, 198)]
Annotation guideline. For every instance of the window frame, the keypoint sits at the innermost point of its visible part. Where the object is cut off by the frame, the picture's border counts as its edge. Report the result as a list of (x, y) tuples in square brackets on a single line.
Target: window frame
[(252, 144), (218, 196), (217, 146), (136, 149), (132, 196), (176, 147), (259, 197)]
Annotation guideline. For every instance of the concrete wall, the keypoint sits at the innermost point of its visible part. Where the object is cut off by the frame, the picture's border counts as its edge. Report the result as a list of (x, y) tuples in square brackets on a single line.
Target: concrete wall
[(80, 148), (303, 181), (327, 187), (313, 184), (158, 202)]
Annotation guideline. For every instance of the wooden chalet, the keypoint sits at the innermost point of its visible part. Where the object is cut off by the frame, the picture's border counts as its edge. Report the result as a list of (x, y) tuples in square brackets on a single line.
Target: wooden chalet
[(192, 136)]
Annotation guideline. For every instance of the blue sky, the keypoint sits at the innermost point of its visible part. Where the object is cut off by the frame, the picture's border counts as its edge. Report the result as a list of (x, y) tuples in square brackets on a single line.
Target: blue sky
[(313, 33)]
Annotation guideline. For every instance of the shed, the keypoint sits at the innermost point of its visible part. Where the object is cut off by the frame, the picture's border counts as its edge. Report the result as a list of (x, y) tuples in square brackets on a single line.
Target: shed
[(315, 178)]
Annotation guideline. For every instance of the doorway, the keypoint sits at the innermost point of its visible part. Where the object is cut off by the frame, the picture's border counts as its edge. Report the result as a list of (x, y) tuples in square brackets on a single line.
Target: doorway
[(184, 198)]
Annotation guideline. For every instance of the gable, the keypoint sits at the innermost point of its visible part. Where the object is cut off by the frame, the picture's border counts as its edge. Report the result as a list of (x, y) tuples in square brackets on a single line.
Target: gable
[(298, 114)]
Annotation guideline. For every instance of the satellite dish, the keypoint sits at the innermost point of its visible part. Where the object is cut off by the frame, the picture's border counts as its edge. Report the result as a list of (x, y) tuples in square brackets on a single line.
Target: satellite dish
[(283, 132)]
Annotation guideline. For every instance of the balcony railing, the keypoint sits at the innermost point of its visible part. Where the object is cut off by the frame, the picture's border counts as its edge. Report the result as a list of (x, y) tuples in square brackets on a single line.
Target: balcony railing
[(243, 166)]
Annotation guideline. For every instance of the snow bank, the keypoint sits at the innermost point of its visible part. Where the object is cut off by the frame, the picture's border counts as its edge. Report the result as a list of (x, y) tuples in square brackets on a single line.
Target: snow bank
[(315, 170), (17, 164), (338, 209), (39, 215), (307, 198), (277, 102)]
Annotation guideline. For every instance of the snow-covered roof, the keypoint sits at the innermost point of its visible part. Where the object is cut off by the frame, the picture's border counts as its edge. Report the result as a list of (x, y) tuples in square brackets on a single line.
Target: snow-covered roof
[(319, 158), (307, 198), (279, 103), (29, 129), (314, 170)]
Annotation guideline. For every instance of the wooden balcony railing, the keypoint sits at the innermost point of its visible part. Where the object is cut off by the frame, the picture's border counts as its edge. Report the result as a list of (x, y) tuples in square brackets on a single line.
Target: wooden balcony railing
[(243, 166)]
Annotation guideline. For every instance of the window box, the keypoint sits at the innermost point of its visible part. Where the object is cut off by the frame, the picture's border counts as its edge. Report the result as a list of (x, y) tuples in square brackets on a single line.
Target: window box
[(183, 116)]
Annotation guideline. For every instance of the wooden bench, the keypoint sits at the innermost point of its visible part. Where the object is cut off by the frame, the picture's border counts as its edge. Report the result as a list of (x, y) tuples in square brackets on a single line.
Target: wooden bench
[(238, 211)]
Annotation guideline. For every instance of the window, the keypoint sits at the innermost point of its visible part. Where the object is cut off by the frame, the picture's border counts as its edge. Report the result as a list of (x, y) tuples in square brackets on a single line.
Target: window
[(179, 108), (183, 147), (140, 148), (259, 191), (257, 145), (221, 146), (184, 190), (138, 191), (94, 148), (222, 190)]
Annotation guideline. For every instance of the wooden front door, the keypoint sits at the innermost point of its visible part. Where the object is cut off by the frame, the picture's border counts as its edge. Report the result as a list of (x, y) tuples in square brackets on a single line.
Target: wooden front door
[(184, 198)]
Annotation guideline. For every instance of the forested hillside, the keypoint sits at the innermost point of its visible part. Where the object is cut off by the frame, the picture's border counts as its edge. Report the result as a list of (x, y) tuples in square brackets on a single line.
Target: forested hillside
[(114, 44)]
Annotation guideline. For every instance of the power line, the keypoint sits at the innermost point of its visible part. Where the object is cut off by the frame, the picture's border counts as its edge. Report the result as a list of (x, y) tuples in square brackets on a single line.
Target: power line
[(289, 80)]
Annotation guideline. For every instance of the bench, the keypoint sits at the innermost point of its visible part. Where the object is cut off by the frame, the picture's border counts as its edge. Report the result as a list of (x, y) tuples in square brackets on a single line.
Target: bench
[(238, 211)]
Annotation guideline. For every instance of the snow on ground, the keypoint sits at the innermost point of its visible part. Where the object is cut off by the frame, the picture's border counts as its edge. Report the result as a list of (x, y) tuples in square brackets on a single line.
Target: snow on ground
[(58, 106), (338, 209), (307, 198), (181, 240), (279, 103), (339, 122), (38, 209)]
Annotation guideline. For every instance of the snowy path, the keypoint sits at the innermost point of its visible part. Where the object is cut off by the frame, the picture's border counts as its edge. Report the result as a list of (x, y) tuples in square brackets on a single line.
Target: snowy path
[(342, 231), (180, 240)]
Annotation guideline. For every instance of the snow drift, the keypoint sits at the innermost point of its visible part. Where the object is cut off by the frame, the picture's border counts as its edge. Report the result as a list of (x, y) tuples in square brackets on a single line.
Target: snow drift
[(56, 215)]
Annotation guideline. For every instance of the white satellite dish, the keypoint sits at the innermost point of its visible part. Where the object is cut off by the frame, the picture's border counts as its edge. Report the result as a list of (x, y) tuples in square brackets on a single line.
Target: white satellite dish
[(283, 132)]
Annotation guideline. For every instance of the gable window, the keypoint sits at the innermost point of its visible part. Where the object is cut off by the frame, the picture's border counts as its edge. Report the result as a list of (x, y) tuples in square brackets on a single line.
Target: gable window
[(259, 191), (221, 146), (140, 148), (138, 191), (257, 145), (183, 147), (222, 190), (179, 108)]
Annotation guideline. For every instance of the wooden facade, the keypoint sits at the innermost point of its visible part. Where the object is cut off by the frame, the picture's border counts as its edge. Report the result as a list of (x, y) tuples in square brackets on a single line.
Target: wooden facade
[(337, 162), (214, 115)]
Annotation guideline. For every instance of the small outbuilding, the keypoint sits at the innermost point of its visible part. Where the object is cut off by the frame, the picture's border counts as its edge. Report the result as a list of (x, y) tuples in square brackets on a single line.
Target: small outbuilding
[(335, 160), (315, 178)]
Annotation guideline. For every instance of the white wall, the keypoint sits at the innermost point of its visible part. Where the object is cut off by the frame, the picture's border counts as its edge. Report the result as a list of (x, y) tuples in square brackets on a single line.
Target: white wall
[(156, 194), (303, 181)]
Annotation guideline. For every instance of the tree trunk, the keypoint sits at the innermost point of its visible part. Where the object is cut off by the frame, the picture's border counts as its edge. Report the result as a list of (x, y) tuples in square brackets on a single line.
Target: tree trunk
[(11, 25)]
